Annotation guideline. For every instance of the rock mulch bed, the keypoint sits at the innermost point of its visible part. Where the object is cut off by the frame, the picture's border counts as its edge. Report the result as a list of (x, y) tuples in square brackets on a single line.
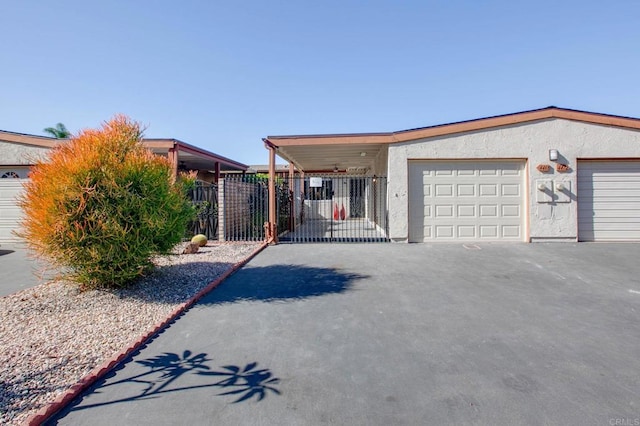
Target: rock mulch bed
[(53, 335)]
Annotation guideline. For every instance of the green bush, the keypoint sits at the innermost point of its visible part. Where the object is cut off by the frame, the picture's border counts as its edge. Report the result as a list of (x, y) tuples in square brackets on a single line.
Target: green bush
[(102, 205)]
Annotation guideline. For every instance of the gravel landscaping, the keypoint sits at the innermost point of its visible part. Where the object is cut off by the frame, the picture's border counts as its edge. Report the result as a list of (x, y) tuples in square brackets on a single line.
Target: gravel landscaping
[(53, 335)]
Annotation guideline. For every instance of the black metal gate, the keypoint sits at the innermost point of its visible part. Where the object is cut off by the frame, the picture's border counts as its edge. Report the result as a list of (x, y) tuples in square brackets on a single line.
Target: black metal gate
[(246, 207), (332, 208), (204, 196)]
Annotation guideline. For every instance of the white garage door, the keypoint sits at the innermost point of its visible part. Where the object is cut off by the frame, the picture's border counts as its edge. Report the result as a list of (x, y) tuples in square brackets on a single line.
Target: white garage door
[(608, 200), (466, 200), (10, 213)]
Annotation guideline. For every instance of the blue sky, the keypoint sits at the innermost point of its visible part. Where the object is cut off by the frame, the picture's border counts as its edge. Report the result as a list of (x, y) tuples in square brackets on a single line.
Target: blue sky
[(222, 75)]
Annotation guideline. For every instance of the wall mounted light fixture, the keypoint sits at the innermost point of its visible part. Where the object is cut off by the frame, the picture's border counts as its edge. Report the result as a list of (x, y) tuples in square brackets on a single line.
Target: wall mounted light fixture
[(553, 155), (335, 169)]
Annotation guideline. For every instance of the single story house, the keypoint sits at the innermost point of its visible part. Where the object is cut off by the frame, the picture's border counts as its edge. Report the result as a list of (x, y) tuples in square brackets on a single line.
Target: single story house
[(18, 152), (551, 174)]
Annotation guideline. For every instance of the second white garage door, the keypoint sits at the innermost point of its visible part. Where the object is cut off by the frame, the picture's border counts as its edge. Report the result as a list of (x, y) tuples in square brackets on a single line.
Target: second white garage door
[(466, 200), (609, 200), (10, 212)]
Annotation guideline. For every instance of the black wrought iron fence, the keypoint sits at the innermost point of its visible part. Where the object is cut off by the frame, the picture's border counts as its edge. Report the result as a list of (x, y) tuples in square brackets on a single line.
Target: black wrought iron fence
[(246, 207), (335, 208), (204, 196), (331, 208)]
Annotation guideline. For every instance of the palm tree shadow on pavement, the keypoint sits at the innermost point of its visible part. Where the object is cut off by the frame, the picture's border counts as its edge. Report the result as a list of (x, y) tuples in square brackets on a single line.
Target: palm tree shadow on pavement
[(162, 371), (242, 382)]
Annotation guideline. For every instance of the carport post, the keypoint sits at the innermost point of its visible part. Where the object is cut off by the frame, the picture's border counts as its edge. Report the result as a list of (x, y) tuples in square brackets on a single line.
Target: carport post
[(173, 160), (217, 172), (271, 226)]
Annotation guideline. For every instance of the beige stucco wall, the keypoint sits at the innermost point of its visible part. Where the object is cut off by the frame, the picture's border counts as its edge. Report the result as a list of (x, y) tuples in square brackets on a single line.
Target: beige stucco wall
[(530, 142), (19, 154), (380, 164)]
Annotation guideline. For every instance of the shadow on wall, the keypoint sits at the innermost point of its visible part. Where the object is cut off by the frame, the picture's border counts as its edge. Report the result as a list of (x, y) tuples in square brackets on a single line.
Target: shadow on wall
[(281, 283)]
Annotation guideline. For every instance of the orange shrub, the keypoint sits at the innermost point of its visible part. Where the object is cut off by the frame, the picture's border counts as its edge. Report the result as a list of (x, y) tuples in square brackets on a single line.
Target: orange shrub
[(102, 205)]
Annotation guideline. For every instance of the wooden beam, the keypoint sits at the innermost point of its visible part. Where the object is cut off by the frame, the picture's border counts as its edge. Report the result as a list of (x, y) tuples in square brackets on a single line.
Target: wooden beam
[(173, 160), (272, 225)]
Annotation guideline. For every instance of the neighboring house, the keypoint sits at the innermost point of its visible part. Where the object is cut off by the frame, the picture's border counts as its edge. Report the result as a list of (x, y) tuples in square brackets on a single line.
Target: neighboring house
[(18, 152), (551, 174), (282, 170)]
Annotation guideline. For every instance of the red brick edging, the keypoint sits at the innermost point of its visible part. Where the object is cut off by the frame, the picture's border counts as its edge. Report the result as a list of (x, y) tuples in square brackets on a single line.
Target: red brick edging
[(97, 373)]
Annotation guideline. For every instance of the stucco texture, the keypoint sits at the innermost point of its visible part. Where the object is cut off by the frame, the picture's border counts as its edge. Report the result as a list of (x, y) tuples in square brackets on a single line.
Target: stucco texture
[(530, 142), (15, 154)]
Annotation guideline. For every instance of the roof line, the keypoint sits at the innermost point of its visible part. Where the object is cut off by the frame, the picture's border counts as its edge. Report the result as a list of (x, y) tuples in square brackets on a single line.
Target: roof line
[(27, 139), (49, 142), (180, 145), (458, 127), (188, 147), (549, 108), (27, 134)]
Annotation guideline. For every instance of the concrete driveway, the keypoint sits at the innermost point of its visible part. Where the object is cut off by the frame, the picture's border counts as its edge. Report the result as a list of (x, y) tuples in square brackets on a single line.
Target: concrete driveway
[(396, 334)]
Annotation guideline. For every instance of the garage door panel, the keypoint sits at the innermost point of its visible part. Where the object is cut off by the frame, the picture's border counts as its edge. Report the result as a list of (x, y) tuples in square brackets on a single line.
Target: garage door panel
[(610, 184), (515, 170), (489, 172), (614, 213), (511, 210), (466, 190), (612, 171), (484, 203), (488, 190), (616, 223), (444, 231), (613, 192), (608, 200), (610, 203), (428, 232), (511, 190), (467, 210), (467, 172), (611, 235), (443, 172), (511, 231), (467, 231), (488, 210), (10, 212), (604, 179), (444, 211), (489, 231), (444, 190)]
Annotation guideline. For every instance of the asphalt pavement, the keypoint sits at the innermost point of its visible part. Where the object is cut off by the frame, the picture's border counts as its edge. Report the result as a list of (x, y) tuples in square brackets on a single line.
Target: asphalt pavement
[(395, 334), (19, 271)]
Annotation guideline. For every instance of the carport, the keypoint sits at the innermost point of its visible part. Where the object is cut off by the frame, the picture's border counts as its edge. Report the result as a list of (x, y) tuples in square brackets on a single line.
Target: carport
[(18, 152), (184, 157), (337, 188)]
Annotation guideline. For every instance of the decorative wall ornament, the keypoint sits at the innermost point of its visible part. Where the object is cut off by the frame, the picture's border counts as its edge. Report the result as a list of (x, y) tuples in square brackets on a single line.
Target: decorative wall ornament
[(563, 168), (543, 168)]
